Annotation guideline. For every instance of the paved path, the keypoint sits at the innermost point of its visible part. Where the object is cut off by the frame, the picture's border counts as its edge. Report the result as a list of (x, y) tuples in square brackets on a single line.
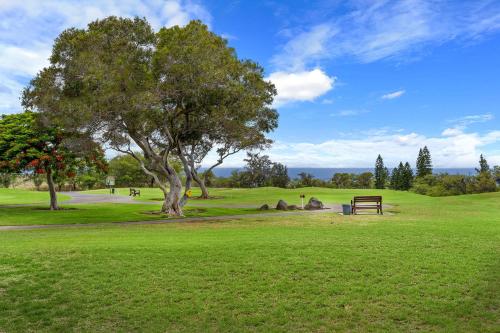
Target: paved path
[(85, 198)]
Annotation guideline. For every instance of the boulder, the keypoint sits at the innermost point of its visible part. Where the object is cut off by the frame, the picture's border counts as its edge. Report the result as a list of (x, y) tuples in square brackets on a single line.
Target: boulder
[(314, 204), (282, 205), (264, 207), (293, 207)]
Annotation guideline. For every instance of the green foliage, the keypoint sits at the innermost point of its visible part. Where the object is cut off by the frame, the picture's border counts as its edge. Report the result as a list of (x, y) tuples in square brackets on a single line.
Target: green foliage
[(26, 145), (176, 93), (402, 177), (485, 182), (496, 173), (363, 180), (279, 175), (261, 171), (128, 172), (483, 165), (381, 173), (305, 179), (446, 185), (37, 180), (342, 180), (424, 162), (6, 179)]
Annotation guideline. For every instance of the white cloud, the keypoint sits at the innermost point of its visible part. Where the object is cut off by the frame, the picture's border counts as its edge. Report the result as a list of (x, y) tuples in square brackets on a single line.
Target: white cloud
[(458, 150), (472, 119), (349, 113), (453, 131), (9, 94), (23, 61), (28, 29), (393, 95), (300, 86), (304, 48), (374, 30)]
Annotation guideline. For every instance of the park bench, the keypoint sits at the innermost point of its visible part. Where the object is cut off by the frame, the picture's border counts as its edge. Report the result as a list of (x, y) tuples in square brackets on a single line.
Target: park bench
[(366, 202), (134, 192)]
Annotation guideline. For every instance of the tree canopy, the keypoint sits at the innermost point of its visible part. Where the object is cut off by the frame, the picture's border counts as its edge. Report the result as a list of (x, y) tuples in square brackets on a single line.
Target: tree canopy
[(424, 162), (179, 92), (28, 146), (381, 173)]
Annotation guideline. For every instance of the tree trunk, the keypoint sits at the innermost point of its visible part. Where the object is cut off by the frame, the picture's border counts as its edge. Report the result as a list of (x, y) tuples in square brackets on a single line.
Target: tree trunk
[(201, 183), (52, 190), (172, 202)]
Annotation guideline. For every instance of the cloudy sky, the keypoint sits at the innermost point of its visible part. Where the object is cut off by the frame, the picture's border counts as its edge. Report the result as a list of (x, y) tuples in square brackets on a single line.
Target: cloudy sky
[(355, 78)]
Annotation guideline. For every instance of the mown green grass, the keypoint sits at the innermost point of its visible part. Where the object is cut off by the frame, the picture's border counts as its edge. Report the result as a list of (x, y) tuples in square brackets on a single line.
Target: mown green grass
[(271, 195), (103, 213), (19, 207), (11, 197), (432, 267)]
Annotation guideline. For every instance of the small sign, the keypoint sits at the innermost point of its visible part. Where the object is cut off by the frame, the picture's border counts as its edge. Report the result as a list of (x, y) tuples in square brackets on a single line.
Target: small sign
[(110, 181), (189, 193), (302, 196)]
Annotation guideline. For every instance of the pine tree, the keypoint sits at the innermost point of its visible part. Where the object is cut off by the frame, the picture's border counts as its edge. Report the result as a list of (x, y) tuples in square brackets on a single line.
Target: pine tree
[(424, 162), (381, 173), (406, 177), (396, 177), (483, 165)]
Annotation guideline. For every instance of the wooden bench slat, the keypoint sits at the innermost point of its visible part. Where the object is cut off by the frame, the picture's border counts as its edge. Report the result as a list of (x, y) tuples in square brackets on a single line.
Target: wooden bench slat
[(366, 202)]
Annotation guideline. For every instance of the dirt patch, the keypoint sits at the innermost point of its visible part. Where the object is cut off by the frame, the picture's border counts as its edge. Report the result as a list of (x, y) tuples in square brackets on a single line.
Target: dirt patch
[(215, 197), (212, 197), (198, 210), (47, 208)]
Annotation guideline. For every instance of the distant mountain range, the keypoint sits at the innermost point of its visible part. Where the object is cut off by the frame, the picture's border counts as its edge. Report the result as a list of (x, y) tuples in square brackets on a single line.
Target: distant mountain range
[(327, 173)]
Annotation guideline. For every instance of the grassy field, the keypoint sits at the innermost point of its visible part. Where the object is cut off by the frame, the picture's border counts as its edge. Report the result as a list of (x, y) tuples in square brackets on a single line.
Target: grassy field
[(19, 197), (434, 266), (271, 195), (20, 207)]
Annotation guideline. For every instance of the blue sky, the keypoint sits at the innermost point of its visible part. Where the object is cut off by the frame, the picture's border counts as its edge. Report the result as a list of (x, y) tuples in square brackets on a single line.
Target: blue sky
[(354, 78)]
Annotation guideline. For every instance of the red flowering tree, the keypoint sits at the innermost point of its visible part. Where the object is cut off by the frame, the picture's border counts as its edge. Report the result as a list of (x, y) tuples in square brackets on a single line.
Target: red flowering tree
[(27, 146)]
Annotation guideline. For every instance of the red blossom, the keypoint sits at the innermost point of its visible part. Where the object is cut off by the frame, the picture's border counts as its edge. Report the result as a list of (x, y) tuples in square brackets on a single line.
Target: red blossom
[(34, 163)]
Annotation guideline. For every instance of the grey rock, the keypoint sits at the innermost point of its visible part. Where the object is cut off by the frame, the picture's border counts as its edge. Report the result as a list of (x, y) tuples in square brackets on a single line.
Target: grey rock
[(264, 207), (314, 204), (282, 205), (293, 207)]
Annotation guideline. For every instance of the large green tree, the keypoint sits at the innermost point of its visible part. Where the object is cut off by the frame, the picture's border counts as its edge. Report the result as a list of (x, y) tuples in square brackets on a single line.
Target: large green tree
[(128, 172), (27, 145), (167, 94), (424, 162), (483, 165), (381, 173), (406, 177)]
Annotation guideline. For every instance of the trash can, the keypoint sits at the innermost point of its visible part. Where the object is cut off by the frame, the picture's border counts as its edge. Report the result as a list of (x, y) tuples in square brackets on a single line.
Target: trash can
[(346, 209)]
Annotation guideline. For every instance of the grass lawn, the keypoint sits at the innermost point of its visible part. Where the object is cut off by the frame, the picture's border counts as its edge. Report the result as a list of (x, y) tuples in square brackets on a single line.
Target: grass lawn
[(432, 267), (101, 213), (271, 195), (37, 213), (11, 197)]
